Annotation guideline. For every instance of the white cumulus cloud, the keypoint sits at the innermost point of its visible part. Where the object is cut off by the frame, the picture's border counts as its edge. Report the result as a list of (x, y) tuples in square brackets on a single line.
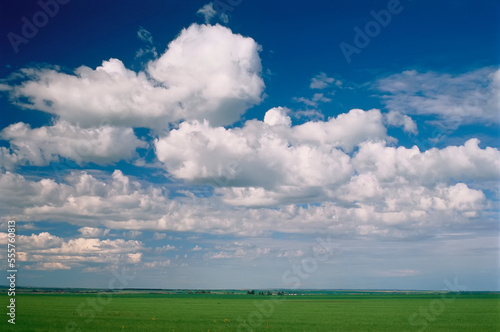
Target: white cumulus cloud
[(272, 154), (207, 72)]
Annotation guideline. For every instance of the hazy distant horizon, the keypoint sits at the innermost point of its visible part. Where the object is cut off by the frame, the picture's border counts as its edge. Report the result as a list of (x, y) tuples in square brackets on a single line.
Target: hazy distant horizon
[(289, 290)]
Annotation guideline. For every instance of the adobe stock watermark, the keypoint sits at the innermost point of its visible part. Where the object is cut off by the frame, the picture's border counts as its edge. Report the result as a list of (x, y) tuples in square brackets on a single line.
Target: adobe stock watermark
[(436, 307), (12, 271), (292, 278), (31, 26), (363, 37)]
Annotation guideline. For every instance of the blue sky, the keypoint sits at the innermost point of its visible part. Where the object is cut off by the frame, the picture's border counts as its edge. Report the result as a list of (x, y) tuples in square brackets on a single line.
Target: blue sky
[(247, 144)]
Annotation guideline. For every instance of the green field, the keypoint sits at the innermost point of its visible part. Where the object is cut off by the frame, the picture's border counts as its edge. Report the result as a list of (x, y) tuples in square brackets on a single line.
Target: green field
[(241, 312)]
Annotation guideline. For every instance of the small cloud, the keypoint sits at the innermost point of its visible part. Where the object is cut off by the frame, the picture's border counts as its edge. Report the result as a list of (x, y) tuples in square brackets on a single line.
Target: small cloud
[(209, 13), (396, 119), (305, 101), (134, 257), (165, 248), (312, 114), (93, 232), (47, 266), (146, 37), (314, 101), (291, 253), (197, 248), (29, 226), (321, 97), (187, 193), (157, 264), (322, 81), (278, 116), (262, 251), (219, 255), (398, 273), (132, 234), (159, 236)]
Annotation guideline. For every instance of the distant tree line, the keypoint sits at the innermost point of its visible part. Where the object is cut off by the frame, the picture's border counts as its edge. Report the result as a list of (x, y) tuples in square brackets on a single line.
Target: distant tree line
[(201, 291), (252, 292)]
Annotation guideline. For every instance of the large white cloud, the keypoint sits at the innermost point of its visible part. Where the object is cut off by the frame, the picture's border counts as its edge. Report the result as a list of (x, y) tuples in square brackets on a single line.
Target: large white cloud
[(214, 73), (207, 72), (272, 163), (40, 146), (345, 131), (465, 98), (454, 163), (271, 153)]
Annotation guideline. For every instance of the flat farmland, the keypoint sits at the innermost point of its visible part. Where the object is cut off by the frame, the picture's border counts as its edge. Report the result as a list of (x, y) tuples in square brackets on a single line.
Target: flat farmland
[(242, 312)]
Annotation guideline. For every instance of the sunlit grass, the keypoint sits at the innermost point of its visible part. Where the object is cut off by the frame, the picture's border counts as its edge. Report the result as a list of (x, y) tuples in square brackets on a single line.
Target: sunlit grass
[(194, 312)]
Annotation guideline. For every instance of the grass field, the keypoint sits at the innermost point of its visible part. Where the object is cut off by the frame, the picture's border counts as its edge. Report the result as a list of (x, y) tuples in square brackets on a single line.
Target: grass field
[(220, 312)]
